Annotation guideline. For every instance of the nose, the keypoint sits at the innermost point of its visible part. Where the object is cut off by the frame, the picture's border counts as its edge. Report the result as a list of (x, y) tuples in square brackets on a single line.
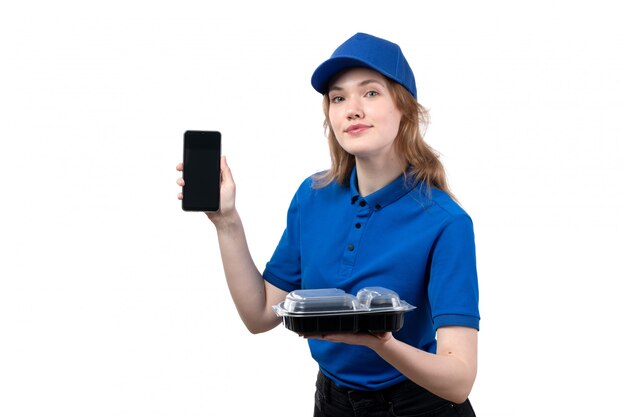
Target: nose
[(354, 110)]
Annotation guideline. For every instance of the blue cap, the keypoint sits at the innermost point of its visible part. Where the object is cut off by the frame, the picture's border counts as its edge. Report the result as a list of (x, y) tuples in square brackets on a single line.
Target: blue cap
[(363, 50)]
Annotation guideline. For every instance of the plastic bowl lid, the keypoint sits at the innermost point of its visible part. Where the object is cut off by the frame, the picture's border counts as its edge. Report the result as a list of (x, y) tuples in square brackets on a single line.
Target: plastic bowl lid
[(320, 300), (378, 297)]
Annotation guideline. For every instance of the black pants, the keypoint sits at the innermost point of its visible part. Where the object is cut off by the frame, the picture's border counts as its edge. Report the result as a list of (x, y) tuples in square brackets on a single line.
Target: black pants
[(405, 399)]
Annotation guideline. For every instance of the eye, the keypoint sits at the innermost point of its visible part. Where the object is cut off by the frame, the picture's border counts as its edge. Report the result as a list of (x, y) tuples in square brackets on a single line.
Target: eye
[(371, 94), (336, 99)]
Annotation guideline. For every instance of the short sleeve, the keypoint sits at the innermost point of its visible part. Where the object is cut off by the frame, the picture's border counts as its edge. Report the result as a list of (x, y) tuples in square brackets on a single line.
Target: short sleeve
[(284, 268), (453, 284)]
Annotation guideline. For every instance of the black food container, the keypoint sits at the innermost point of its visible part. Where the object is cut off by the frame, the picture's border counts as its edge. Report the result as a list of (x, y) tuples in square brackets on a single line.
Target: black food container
[(331, 310)]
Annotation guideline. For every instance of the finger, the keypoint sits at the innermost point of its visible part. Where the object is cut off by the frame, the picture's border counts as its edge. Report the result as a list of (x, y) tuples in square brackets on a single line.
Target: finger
[(180, 196), (320, 336), (227, 175), (179, 167), (180, 182)]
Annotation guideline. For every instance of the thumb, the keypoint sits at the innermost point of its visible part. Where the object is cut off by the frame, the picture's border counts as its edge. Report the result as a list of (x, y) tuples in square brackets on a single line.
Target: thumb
[(227, 175)]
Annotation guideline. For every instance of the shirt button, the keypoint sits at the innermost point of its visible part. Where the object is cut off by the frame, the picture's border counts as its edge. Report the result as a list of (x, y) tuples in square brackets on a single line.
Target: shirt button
[(358, 225), (377, 207), (350, 248), (362, 203)]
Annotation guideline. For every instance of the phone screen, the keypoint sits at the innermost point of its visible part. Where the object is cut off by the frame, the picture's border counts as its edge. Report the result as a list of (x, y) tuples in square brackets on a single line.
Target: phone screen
[(201, 170)]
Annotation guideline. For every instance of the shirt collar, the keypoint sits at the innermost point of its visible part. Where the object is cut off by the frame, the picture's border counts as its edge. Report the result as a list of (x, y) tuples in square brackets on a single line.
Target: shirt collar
[(383, 197)]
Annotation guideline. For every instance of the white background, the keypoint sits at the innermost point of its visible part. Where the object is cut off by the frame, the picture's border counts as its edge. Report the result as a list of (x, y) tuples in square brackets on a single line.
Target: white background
[(112, 299)]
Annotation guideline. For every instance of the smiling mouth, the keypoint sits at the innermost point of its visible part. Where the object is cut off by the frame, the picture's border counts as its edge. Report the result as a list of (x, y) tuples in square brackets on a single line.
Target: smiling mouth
[(357, 128)]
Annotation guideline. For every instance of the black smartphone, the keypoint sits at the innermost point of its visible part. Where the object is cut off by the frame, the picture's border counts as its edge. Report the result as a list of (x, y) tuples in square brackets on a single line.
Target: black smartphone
[(201, 170)]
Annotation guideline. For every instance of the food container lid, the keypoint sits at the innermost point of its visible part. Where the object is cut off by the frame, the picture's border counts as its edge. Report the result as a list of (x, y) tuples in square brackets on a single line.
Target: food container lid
[(334, 301), (320, 300), (378, 297)]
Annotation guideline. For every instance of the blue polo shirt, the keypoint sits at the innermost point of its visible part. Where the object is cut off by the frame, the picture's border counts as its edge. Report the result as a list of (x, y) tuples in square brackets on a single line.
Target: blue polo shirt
[(419, 244)]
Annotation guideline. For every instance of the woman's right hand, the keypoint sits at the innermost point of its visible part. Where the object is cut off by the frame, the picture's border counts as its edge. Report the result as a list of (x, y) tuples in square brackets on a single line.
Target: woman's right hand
[(227, 210)]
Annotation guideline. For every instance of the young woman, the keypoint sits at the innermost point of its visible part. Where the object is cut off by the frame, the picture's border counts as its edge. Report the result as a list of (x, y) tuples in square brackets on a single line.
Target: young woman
[(382, 215)]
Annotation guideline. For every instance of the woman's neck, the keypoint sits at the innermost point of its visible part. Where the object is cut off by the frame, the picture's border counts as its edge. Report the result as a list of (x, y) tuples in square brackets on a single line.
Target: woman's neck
[(373, 175)]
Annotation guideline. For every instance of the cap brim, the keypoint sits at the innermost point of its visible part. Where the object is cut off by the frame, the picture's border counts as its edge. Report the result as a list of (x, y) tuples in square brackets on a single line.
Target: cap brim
[(331, 67)]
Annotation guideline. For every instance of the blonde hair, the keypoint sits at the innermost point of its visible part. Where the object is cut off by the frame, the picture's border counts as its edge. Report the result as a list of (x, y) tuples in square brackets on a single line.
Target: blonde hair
[(423, 161)]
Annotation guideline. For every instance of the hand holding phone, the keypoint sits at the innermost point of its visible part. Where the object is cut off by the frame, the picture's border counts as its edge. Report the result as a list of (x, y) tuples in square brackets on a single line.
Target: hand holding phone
[(201, 173)]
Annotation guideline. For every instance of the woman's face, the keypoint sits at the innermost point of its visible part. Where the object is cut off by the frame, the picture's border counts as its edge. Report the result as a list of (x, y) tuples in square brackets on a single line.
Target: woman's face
[(363, 114)]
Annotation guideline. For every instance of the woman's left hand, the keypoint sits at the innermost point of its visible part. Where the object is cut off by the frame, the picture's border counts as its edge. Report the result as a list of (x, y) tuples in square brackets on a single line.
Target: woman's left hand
[(371, 340)]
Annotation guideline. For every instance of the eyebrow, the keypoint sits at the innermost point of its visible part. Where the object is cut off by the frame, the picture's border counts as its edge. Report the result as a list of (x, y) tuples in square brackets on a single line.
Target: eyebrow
[(361, 84)]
